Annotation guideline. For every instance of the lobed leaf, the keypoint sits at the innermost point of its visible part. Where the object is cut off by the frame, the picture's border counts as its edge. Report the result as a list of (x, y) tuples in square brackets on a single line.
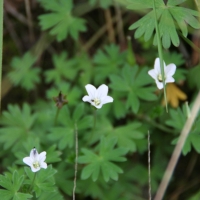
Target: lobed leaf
[(61, 22)]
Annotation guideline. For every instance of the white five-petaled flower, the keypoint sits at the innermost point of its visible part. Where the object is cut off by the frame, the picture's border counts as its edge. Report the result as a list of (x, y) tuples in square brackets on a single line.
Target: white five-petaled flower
[(35, 160), (155, 73), (97, 97)]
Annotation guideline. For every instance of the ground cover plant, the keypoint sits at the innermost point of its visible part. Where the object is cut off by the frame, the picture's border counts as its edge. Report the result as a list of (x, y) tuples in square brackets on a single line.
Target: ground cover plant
[(100, 99)]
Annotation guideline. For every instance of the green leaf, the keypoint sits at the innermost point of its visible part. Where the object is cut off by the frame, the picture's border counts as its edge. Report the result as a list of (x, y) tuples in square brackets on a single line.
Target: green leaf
[(167, 16), (64, 136), (138, 4), (102, 161), (78, 112), (85, 122), (118, 83), (175, 2), (133, 83), (23, 73), (126, 136), (63, 69), (108, 61), (61, 22), (183, 15), (44, 180), (193, 77), (168, 30), (53, 155), (5, 194), (12, 183), (17, 125), (177, 120)]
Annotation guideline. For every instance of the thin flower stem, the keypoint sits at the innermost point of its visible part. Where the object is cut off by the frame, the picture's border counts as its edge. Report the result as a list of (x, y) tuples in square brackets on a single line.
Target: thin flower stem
[(149, 165), (196, 48), (94, 126), (76, 159), (95, 119), (1, 43), (56, 117), (155, 124), (31, 186), (177, 151), (160, 53)]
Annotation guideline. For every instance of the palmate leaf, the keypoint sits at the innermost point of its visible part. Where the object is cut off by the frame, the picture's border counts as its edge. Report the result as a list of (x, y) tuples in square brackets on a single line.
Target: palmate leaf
[(177, 121), (61, 22), (108, 61), (23, 73), (64, 133), (133, 83), (169, 16), (12, 184), (102, 162), (17, 126), (44, 180), (127, 136), (63, 69)]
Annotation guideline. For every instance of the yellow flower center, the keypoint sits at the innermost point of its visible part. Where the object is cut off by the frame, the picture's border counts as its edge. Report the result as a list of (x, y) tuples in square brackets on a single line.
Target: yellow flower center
[(160, 78), (96, 101), (36, 164)]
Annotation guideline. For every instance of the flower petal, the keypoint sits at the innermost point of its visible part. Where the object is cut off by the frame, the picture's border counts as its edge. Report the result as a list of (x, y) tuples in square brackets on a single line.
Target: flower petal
[(99, 106), (159, 84), (157, 66), (86, 98), (91, 90), (153, 74), (28, 161), (34, 154), (43, 165), (169, 80), (42, 156), (107, 99), (33, 169), (102, 91), (170, 70)]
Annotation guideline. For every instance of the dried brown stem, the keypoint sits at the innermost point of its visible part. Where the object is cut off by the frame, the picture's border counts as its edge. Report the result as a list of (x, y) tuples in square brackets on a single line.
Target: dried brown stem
[(177, 151), (30, 21), (120, 30), (109, 23)]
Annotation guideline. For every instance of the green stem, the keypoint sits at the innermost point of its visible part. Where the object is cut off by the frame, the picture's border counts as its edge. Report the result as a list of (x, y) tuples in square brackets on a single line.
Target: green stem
[(95, 118), (56, 117), (31, 186), (190, 43), (160, 53), (94, 125), (1, 42), (159, 126)]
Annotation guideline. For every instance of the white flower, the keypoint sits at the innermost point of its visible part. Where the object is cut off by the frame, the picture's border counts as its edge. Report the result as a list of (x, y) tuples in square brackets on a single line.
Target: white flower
[(97, 97), (155, 73), (35, 160)]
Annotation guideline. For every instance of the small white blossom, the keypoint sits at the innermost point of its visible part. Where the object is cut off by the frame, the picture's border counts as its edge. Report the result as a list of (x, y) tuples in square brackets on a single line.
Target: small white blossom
[(97, 97), (155, 73), (35, 160)]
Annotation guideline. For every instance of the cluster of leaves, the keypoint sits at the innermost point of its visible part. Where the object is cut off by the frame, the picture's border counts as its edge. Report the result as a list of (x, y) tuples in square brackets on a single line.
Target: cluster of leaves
[(111, 147), (168, 15)]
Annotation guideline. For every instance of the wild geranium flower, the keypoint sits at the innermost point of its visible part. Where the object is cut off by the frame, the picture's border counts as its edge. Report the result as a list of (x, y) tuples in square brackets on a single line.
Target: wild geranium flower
[(35, 160), (155, 73), (97, 97)]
